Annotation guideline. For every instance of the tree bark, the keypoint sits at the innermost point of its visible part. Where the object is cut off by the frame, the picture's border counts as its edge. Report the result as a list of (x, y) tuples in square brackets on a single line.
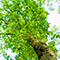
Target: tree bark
[(42, 50)]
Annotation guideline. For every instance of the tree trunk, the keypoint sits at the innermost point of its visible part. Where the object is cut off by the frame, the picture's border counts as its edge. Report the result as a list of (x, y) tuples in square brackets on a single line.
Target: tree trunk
[(42, 50)]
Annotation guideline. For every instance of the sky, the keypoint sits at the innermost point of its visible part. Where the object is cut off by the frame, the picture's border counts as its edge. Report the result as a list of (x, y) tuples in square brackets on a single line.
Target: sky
[(53, 18)]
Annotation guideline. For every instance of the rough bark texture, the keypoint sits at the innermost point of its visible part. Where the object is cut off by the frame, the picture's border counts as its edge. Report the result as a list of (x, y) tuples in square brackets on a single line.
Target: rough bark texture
[(42, 50)]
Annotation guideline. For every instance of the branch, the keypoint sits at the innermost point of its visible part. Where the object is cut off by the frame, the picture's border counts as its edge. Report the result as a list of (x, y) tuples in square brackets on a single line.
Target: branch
[(5, 33), (4, 21)]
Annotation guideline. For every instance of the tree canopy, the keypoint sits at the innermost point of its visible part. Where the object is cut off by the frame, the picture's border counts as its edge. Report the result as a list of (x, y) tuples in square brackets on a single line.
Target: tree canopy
[(22, 20)]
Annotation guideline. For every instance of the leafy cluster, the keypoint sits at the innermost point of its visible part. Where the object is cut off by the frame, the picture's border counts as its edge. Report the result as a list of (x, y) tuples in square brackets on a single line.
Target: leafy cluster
[(20, 21)]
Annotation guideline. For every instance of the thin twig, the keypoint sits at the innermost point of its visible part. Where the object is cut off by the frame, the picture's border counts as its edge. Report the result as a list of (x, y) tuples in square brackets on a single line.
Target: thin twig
[(4, 21), (5, 33)]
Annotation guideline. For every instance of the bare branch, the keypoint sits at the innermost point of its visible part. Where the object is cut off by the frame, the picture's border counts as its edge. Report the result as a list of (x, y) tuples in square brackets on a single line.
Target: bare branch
[(5, 33), (4, 21)]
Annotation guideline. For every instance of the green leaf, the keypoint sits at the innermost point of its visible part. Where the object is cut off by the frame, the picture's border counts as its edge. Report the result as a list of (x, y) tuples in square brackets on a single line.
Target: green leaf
[(52, 38), (1, 9), (57, 36), (52, 43), (0, 30)]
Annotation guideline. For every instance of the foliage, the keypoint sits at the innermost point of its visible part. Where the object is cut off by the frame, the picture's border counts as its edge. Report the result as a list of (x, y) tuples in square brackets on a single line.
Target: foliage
[(51, 4), (20, 21), (54, 39)]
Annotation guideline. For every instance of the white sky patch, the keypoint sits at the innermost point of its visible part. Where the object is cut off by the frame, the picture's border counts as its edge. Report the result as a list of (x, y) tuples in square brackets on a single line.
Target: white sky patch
[(57, 46), (10, 2), (23, 8), (1, 6), (2, 58), (53, 19), (35, 0), (9, 52)]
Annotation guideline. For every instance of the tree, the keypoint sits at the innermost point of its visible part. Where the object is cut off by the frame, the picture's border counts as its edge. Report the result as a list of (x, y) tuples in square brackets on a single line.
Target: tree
[(26, 30)]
